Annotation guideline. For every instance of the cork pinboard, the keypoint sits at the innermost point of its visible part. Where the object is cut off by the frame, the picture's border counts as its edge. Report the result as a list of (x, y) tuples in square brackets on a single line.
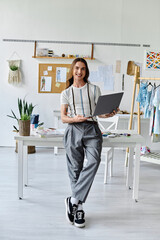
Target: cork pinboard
[(52, 77)]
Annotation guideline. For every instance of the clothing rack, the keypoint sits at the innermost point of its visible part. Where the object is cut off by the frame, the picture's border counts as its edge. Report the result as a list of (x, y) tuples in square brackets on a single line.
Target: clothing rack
[(137, 80)]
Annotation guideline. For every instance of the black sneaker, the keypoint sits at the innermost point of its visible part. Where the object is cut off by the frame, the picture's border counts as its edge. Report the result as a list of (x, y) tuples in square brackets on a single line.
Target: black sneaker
[(70, 210), (79, 220)]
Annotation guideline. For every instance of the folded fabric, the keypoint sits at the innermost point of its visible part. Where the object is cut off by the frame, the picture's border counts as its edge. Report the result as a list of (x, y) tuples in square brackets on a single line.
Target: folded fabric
[(145, 150), (34, 118)]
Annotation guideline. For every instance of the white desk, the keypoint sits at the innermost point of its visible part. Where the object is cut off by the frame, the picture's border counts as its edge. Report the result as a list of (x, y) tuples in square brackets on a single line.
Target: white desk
[(123, 123), (134, 141)]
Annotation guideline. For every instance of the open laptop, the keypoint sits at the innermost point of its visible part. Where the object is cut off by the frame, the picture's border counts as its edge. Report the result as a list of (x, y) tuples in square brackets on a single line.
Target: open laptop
[(108, 103)]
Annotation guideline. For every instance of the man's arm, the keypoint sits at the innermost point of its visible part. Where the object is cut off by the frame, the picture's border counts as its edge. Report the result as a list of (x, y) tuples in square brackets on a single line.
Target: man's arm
[(67, 119)]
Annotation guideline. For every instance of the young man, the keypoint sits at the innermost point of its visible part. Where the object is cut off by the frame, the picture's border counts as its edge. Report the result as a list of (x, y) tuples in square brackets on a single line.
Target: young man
[(82, 137)]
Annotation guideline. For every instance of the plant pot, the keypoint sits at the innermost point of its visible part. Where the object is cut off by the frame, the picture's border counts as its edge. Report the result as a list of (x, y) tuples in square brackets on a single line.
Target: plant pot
[(24, 130), (24, 127)]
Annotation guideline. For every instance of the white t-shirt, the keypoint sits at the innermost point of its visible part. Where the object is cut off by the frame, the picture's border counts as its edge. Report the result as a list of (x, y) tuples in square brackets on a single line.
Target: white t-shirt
[(81, 99)]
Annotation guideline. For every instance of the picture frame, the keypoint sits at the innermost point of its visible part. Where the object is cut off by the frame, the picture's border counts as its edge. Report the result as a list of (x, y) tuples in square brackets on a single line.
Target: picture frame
[(152, 60)]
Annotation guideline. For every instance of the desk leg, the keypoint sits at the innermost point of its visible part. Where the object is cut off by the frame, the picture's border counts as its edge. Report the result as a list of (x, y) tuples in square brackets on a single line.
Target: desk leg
[(136, 172), (55, 150), (56, 123), (25, 165), (126, 157), (20, 169), (130, 168)]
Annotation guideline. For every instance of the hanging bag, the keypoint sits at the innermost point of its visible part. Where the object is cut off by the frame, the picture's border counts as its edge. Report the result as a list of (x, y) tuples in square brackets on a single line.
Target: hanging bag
[(14, 75), (131, 68)]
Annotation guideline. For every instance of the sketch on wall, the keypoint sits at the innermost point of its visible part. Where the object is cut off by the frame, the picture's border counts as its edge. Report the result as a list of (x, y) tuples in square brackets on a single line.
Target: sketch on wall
[(104, 74), (46, 83), (152, 60)]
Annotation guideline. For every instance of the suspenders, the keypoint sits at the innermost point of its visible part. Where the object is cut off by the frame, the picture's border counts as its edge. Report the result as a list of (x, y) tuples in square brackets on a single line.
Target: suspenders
[(73, 102), (88, 100)]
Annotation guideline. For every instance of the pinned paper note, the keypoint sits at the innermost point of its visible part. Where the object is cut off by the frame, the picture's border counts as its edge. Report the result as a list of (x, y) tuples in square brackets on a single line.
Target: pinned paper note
[(49, 68), (118, 66), (45, 73), (46, 83), (93, 76), (58, 85), (105, 75), (61, 74)]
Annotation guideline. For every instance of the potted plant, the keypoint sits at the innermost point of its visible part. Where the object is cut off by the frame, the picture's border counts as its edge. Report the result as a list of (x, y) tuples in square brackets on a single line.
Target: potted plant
[(25, 112)]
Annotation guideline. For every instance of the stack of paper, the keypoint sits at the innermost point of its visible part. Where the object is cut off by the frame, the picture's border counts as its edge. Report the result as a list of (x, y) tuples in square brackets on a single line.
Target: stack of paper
[(50, 132)]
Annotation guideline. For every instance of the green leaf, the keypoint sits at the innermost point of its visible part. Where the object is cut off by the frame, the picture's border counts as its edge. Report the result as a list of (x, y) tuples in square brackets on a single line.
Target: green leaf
[(10, 116), (13, 115), (13, 67), (30, 109), (40, 124), (26, 108), (25, 117), (15, 128), (20, 106), (23, 106)]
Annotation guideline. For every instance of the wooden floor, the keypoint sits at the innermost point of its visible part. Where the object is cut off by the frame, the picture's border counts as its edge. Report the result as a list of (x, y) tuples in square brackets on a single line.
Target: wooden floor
[(111, 214)]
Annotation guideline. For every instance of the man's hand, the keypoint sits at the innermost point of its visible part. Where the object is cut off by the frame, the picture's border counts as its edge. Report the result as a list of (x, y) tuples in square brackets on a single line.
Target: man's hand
[(80, 118), (109, 114)]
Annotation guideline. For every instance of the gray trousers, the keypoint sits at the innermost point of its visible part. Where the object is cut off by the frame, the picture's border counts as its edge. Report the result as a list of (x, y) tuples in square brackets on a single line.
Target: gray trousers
[(80, 140)]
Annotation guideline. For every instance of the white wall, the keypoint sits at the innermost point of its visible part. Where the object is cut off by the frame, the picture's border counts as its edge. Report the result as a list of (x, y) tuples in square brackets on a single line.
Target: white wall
[(122, 21)]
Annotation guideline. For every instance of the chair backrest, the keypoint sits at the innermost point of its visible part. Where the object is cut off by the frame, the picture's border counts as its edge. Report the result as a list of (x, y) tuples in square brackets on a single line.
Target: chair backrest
[(108, 123)]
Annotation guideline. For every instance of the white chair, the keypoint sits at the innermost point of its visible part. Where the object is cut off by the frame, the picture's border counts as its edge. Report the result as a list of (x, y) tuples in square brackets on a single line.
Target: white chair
[(106, 124), (151, 157)]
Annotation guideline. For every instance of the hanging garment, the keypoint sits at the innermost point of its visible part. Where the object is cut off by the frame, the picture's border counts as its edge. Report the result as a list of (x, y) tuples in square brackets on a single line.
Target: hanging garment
[(147, 110), (14, 75), (156, 103), (152, 118), (152, 109), (141, 98), (152, 97)]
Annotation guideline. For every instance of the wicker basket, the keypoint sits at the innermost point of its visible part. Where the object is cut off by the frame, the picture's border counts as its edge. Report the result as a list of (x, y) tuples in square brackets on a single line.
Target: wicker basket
[(31, 149)]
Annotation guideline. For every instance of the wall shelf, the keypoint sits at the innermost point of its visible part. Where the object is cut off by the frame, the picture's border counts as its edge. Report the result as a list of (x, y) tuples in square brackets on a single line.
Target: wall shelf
[(92, 44), (35, 54), (61, 57)]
